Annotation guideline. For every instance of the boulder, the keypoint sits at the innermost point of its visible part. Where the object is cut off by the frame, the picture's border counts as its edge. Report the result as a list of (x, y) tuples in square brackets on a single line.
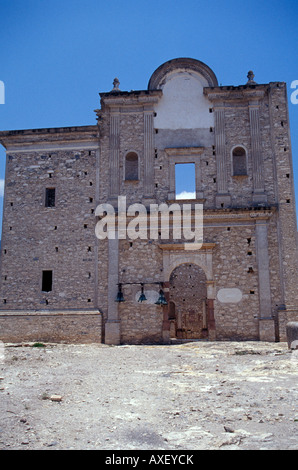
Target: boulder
[(292, 334)]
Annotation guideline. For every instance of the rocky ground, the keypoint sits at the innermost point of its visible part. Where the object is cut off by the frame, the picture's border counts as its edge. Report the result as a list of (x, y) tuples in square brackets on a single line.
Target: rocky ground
[(196, 395)]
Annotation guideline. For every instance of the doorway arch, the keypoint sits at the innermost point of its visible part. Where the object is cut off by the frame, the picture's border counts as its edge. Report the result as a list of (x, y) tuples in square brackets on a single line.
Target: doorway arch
[(175, 255), (188, 295)]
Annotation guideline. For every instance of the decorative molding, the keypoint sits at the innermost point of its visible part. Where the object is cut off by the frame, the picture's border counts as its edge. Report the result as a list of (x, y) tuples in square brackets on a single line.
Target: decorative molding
[(127, 99), (158, 78), (181, 246), (235, 93), (184, 151)]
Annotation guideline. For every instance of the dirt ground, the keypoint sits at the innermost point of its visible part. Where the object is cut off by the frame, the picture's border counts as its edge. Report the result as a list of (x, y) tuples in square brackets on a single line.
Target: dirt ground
[(196, 395)]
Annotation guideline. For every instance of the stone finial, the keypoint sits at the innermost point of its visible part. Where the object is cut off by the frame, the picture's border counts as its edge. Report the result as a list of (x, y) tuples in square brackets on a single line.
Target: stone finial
[(251, 77), (116, 84)]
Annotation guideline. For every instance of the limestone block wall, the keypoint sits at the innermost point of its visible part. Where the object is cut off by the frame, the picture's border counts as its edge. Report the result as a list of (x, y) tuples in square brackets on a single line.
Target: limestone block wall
[(284, 187), (235, 267), (53, 327), (59, 238)]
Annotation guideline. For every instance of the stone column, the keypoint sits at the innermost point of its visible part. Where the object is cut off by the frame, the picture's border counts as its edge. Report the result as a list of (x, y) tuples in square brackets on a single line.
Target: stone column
[(256, 154), (114, 154), (165, 309), (266, 322), (210, 300), (148, 154), (112, 326), (96, 243), (211, 320), (222, 199)]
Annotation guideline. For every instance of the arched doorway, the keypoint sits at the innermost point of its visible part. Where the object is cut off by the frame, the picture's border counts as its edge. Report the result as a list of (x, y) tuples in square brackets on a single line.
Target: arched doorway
[(187, 306)]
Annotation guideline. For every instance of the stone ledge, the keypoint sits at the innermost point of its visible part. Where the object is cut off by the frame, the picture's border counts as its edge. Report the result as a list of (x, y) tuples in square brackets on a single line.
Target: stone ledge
[(8, 313)]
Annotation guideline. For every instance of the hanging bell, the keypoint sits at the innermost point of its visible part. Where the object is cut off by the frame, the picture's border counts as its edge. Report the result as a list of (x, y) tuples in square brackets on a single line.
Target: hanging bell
[(119, 297), (142, 297), (161, 299)]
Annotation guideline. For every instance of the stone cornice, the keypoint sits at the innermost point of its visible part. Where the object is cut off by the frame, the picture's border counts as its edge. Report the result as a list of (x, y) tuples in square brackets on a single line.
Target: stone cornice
[(132, 98), (184, 151), (181, 246), (239, 214), (54, 135), (244, 93)]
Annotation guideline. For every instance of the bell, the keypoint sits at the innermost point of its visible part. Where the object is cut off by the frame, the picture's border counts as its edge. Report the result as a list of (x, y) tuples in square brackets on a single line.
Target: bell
[(119, 297), (161, 299), (142, 297)]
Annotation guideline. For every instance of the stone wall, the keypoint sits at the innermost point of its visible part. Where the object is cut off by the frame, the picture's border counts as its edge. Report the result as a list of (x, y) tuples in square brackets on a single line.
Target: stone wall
[(53, 327), (60, 238)]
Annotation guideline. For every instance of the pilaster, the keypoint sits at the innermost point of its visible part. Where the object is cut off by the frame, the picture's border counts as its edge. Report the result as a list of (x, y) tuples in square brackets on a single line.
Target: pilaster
[(148, 154), (266, 321), (112, 326), (222, 198), (114, 153), (256, 154)]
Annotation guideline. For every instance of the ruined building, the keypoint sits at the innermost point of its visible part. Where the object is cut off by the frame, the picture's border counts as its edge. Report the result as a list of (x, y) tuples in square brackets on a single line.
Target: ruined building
[(60, 282)]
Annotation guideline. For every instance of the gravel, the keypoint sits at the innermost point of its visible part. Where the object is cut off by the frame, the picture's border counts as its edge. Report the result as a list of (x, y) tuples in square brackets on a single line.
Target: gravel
[(189, 396)]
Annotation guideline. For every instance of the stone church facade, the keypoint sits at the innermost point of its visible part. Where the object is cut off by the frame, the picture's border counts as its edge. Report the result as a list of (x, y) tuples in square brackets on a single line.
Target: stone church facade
[(60, 282)]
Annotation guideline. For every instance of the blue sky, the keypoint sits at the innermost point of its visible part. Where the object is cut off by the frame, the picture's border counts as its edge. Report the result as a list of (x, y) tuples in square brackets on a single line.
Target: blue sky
[(56, 56)]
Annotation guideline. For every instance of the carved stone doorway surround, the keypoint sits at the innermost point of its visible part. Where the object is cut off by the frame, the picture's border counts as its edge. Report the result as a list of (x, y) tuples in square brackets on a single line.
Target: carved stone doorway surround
[(175, 255)]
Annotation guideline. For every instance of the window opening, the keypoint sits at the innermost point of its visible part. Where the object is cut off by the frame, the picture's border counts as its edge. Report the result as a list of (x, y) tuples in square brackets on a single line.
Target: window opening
[(131, 167), (47, 281), (239, 161), (185, 181), (50, 197)]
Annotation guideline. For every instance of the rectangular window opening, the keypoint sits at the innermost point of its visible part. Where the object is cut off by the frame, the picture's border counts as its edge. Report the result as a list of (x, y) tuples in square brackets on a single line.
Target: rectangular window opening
[(185, 181), (50, 197), (47, 281)]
